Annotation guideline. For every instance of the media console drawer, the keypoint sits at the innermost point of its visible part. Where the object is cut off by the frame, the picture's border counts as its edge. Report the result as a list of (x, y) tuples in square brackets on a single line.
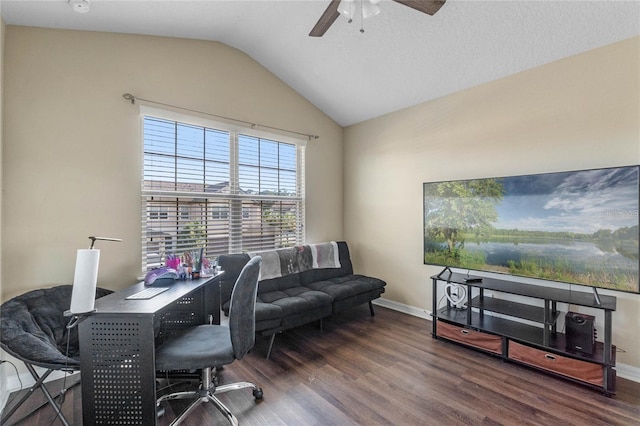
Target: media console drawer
[(577, 369), (477, 339)]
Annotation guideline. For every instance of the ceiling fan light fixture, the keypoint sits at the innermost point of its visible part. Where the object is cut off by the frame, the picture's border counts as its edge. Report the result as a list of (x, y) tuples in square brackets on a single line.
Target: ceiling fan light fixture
[(347, 8), (80, 6), (353, 8), (369, 9)]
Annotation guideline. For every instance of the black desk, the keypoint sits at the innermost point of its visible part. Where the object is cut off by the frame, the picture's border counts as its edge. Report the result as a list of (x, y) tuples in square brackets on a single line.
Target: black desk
[(117, 347)]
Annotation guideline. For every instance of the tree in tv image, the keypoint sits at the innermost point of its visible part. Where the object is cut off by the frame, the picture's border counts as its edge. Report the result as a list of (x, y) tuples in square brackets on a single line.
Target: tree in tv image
[(576, 227)]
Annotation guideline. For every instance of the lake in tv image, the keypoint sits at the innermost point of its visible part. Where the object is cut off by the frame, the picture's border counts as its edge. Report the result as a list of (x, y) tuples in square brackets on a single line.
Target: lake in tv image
[(578, 227)]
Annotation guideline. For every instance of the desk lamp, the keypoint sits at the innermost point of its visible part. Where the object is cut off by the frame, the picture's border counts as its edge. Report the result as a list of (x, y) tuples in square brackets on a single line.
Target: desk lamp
[(85, 278)]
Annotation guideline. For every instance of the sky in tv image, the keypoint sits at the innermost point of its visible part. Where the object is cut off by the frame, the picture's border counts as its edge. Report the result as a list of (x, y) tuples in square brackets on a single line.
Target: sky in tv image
[(584, 201), (578, 227)]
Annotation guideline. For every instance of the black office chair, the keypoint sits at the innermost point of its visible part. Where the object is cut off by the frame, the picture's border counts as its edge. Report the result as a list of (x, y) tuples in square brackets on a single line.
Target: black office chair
[(34, 330), (207, 346)]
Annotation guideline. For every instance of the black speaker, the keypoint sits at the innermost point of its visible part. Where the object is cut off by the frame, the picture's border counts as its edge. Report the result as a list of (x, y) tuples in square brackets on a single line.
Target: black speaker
[(580, 332)]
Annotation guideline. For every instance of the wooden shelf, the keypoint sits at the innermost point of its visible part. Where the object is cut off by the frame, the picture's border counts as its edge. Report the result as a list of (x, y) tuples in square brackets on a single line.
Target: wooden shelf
[(495, 325), (527, 327), (523, 333)]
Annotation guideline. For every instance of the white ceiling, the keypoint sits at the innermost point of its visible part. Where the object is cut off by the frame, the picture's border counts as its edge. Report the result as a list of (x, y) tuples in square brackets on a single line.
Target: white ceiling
[(403, 58)]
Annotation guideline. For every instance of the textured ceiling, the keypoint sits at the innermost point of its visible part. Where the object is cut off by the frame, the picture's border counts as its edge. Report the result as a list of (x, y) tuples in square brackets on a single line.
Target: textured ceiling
[(403, 58)]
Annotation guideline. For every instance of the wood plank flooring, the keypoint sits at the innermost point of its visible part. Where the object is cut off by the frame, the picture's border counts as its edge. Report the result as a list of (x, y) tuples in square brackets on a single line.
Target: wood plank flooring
[(388, 370)]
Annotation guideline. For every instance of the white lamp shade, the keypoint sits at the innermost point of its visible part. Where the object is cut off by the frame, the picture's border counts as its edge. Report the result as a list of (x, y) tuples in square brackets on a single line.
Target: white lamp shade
[(347, 8), (369, 9), (353, 8), (83, 294)]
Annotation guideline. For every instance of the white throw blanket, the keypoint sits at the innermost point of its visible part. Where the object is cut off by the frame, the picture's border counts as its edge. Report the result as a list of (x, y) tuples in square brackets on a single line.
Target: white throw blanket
[(281, 262), (325, 255)]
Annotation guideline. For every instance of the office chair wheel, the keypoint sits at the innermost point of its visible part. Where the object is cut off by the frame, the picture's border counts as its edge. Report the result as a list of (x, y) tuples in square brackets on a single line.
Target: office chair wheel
[(257, 393)]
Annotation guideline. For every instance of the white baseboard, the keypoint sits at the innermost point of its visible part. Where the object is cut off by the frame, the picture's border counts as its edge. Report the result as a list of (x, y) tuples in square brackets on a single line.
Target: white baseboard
[(622, 370), (401, 307), (628, 372)]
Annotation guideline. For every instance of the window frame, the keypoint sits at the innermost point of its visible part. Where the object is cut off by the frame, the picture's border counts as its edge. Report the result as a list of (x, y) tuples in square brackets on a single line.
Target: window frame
[(236, 198)]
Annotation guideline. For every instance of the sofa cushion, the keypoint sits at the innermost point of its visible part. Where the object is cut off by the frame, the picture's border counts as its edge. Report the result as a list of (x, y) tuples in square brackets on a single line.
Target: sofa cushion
[(349, 286), (282, 283), (296, 300), (343, 304), (268, 315)]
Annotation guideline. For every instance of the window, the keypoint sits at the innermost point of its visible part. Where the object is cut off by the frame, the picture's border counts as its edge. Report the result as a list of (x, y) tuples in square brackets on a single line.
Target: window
[(220, 213), (158, 212), (218, 187)]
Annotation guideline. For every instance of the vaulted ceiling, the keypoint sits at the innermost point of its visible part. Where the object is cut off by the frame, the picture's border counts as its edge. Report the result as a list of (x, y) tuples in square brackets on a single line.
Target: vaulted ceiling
[(403, 58)]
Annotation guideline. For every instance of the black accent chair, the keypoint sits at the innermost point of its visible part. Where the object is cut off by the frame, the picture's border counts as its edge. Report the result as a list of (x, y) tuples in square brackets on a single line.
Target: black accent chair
[(207, 346), (34, 330)]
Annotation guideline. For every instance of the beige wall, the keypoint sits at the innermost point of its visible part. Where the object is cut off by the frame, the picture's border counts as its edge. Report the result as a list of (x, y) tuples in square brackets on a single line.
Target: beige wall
[(72, 144), (581, 112)]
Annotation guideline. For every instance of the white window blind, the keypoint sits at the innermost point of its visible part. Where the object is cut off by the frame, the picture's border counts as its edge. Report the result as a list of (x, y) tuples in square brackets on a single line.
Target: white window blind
[(226, 189)]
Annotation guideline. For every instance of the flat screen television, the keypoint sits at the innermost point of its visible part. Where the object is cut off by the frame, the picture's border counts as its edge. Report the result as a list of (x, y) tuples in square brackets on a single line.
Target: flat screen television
[(576, 227)]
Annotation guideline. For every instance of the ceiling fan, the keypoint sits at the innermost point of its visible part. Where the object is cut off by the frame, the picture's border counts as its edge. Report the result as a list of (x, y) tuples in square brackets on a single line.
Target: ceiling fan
[(331, 13)]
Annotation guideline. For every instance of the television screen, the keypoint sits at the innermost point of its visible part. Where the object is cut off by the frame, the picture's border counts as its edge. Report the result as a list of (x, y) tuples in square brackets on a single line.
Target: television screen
[(578, 227)]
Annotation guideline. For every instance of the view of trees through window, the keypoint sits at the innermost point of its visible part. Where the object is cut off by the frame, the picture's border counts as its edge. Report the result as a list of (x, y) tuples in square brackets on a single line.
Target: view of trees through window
[(217, 189)]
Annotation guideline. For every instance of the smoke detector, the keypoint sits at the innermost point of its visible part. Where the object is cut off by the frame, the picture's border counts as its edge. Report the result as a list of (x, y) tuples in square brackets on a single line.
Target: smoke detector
[(80, 6)]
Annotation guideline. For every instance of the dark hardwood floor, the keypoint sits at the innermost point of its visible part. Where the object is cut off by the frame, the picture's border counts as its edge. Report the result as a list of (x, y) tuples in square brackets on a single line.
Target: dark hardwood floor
[(388, 370)]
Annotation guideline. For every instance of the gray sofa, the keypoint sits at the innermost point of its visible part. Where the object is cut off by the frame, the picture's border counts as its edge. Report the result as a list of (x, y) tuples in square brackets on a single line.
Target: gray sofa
[(301, 291)]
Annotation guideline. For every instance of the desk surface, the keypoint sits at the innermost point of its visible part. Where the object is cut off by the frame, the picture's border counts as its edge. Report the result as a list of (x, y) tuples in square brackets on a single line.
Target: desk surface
[(117, 302)]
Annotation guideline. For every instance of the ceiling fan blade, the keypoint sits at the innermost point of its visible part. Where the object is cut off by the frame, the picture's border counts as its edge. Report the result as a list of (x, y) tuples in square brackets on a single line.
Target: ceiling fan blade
[(430, 7), (326, 20)]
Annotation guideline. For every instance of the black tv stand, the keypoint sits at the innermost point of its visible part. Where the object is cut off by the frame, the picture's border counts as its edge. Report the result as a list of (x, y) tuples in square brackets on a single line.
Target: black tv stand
[(445, 270), (495, 325), (596, 297)]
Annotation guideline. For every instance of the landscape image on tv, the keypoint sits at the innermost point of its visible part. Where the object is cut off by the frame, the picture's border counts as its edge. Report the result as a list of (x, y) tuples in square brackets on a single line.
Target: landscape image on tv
[(579, 227)]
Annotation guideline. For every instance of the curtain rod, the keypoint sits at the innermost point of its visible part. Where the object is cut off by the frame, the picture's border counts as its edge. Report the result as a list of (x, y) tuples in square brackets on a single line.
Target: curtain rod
[(133, 99)]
